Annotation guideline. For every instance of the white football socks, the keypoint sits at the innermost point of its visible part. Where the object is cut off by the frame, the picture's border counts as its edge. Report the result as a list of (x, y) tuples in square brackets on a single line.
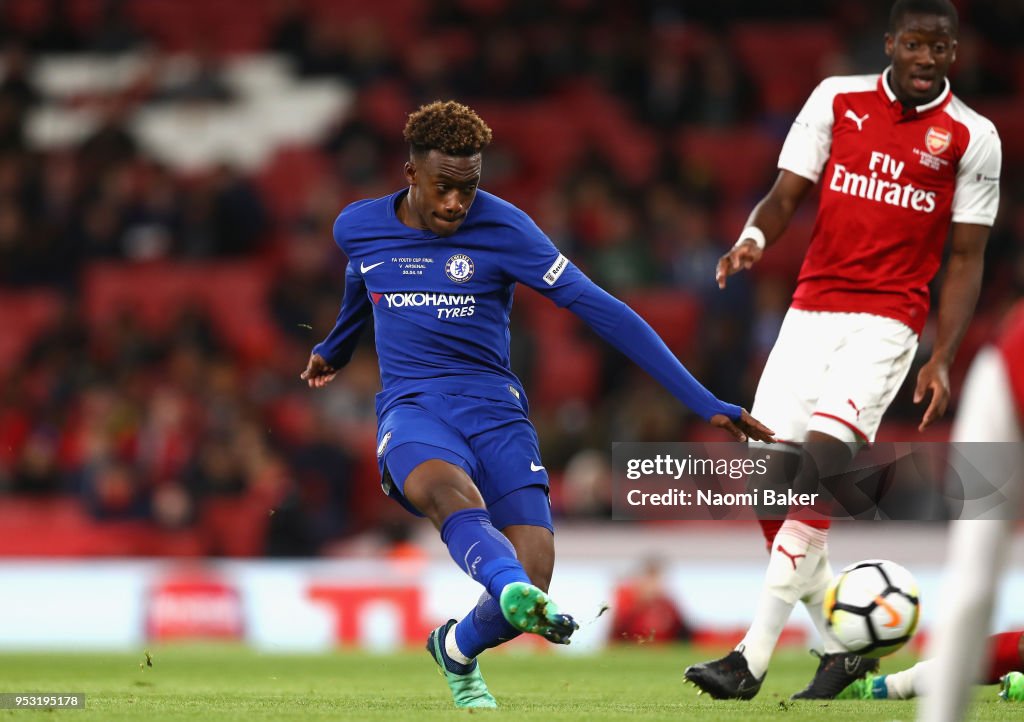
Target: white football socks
[(453, 649), (796, 553), (909, 683), (762, 636), (813, 601)]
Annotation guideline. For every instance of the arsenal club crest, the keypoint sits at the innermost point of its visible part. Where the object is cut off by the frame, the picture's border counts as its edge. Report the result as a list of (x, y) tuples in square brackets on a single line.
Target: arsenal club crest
[(936, 140)]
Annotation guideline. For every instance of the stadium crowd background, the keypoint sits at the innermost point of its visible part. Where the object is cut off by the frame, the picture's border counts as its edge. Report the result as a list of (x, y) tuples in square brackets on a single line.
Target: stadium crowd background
[(170, 171)]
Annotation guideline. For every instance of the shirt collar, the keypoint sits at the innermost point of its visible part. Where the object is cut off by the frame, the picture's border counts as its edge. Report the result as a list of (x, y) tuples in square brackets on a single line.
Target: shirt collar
[(941, 100)]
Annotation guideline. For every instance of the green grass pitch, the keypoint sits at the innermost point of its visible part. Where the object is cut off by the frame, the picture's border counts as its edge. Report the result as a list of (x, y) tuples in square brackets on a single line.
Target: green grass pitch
[(231, 683)]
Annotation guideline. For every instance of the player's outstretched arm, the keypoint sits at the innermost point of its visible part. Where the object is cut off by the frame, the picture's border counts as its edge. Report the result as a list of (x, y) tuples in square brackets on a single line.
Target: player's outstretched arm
[(620, 326), (766, 223), (957, 299)]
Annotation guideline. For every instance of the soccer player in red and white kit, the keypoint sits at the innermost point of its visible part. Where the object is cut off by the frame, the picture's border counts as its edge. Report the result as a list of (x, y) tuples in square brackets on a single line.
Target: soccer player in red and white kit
[(899, 159), (991, 410)]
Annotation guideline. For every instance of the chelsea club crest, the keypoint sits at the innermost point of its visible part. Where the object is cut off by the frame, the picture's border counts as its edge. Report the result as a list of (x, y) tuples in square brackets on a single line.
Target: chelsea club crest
[(459, 268)]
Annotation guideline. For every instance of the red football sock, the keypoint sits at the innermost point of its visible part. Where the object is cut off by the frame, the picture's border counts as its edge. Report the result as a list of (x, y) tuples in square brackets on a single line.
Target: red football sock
[(1003, 655), (769, 527)]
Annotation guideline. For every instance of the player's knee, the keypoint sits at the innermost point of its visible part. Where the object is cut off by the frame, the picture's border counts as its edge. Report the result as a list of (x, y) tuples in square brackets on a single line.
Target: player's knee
[(444, 498), (439, 489)]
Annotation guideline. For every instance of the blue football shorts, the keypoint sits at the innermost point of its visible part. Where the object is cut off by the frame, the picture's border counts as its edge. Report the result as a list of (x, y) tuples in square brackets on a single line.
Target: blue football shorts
[(492, 441)]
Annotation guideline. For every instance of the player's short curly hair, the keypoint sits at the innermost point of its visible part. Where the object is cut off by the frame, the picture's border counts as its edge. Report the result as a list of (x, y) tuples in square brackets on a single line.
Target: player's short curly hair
[(942, 8), (446, 126)]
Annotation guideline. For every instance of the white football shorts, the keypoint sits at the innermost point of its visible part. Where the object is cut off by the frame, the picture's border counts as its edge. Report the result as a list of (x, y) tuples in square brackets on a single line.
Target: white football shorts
[(832, 372)]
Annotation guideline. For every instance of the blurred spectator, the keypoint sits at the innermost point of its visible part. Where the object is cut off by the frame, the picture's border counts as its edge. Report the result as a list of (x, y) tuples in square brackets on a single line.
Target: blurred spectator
[(16, 84), (15, 249), (973, 75), (57, 33), (644, 611), (1001, 21), (369, 55), (114, 31), (306, 280), (202, 81), (667, 94), (12, 124), (694, 251), (504, 68), (323, 485), (399, 543), (172, 507), (358, 149), (587, 485), (289, 33), (36, 472), (725, 95), (152, 218), (110, 144), (223, 215), (215, 469), (112, 492), (18, 95), (617, 258)]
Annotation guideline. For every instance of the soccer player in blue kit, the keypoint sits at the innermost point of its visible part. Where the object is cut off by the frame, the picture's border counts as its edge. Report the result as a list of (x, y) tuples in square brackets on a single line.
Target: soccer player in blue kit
[(436, 265)]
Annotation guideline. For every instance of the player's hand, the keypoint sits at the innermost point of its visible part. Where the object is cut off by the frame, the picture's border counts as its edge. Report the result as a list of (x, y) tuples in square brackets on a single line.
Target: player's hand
[(934, 377), (318, 372), (744, 427), (740, 258)]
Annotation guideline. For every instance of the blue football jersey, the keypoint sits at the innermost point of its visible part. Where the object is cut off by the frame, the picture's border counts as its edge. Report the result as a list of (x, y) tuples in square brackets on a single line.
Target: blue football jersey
[(440, 305)]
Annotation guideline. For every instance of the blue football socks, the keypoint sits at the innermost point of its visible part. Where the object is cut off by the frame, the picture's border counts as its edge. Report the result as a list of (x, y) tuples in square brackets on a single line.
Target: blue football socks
[(480, 550), (483, 628)]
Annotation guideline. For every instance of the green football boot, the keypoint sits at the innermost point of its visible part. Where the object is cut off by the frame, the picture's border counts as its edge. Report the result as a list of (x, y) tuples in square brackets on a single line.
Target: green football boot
[(529, 609), (468, 689), (1011, 687), (869, 686)]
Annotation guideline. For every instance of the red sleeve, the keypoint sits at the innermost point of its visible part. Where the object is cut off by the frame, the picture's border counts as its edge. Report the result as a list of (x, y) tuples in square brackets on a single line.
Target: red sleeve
[(1011, 346)]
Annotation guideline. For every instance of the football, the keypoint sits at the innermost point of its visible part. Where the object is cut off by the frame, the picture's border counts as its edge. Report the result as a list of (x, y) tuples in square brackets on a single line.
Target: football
[(872, 607)]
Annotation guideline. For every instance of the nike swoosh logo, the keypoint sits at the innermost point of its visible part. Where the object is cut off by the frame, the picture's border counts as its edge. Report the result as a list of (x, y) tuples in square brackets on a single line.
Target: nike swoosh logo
[(894, 616), (363, 268), (535, 467)]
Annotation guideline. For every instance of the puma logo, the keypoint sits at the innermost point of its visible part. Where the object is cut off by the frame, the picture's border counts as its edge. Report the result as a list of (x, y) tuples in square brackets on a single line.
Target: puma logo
[(894, 616), (856, 410), (853, 116), (792, 557)]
